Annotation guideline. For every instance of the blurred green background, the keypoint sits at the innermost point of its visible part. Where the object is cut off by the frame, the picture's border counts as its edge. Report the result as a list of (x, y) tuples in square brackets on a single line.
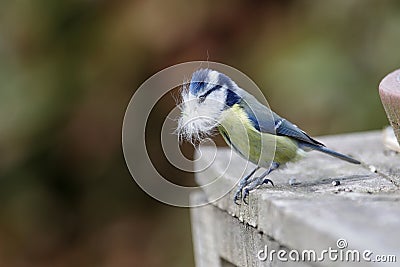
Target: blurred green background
[(69, 68)]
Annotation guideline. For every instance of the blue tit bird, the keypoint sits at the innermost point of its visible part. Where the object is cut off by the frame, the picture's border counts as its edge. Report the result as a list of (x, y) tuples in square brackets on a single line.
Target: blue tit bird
[(214, 101)]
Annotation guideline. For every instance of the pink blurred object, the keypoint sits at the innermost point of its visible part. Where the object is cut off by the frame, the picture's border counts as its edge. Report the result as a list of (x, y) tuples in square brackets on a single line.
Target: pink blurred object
[(389, 90)]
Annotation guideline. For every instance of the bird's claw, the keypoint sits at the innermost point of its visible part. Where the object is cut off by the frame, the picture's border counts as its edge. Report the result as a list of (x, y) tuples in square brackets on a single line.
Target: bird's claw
[(237, 197), (243, 191), (246, 196), (241, 194), (246, 184), (266, 181)]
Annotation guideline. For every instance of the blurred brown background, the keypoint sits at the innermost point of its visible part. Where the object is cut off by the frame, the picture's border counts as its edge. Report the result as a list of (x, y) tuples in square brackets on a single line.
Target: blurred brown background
[(69, 68)]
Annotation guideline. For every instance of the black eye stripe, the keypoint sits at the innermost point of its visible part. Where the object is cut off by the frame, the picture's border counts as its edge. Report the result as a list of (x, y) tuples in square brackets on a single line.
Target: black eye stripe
[(216, 87)]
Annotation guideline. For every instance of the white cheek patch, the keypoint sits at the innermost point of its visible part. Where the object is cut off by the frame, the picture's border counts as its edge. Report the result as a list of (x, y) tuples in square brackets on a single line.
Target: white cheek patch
[(198, 119)]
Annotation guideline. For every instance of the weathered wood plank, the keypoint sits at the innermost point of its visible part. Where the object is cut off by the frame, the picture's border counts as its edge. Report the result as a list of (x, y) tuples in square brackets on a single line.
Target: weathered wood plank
[(220, 241), (205, 250), (364, 209)]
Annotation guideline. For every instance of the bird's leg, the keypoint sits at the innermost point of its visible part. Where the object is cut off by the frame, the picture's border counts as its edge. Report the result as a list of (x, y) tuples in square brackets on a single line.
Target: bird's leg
[(258, 181), (243, 182)]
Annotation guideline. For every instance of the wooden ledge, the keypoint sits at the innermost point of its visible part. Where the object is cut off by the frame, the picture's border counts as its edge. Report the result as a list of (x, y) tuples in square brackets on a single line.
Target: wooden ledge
[(364, 209)]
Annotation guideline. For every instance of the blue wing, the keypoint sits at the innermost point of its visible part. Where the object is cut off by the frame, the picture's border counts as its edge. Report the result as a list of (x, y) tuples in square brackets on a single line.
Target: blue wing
[(267, 121)]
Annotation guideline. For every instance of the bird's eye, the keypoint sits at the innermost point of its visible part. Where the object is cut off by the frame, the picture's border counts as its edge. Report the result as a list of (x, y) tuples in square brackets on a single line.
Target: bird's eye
[(202, 98)]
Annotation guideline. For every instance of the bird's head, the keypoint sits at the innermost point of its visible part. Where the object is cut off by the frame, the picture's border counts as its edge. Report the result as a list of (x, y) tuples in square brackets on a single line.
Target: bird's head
[(203, 100)]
